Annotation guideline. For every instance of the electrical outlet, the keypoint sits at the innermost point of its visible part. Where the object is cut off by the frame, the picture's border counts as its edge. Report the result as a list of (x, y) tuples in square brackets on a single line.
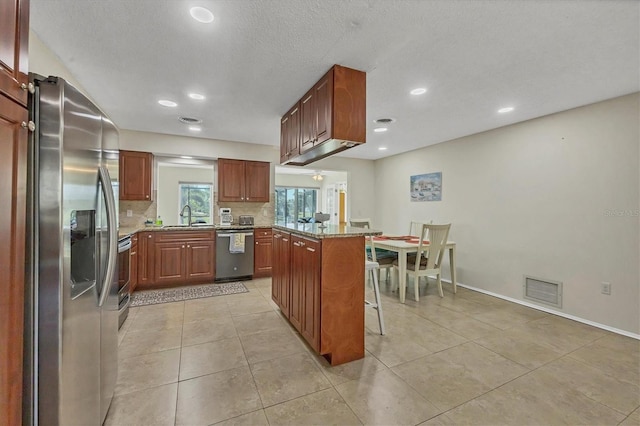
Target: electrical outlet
[(129, 213), (606, 288)]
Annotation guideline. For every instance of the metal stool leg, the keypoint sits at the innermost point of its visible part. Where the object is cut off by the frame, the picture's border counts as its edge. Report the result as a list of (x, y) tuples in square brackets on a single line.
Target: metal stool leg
[(378, 305)]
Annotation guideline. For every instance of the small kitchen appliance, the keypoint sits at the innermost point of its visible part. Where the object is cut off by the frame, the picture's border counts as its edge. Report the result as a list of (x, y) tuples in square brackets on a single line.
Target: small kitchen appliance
[(245, 220), (225, 216)]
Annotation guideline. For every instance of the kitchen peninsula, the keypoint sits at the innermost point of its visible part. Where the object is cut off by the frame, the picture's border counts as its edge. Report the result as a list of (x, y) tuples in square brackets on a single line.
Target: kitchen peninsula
[(318, 283)]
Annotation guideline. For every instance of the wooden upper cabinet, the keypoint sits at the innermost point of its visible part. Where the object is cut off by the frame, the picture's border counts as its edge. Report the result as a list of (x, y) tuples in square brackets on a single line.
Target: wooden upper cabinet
[(243, 181), (308, 121), (14, 49), (323, 93), (290, 133), (257, 178), (13, 183), (332, 117), (135, 175)]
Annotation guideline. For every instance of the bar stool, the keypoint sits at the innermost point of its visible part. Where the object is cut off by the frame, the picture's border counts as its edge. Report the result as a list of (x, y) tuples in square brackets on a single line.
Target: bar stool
[(372, 268)]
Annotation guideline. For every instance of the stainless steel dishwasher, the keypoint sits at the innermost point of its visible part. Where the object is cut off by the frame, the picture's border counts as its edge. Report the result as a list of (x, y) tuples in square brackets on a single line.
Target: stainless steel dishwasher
[(233, 259)]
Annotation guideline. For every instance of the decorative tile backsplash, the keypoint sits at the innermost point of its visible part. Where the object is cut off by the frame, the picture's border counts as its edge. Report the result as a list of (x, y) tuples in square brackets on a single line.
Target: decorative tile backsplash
[(263, 213)]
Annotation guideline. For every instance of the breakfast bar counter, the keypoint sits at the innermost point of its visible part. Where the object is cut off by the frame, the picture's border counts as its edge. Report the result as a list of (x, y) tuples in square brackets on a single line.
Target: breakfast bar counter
[(318, 283)]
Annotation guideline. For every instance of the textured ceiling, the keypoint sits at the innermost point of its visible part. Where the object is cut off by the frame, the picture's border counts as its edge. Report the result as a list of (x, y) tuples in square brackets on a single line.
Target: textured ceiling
[(260, 56)]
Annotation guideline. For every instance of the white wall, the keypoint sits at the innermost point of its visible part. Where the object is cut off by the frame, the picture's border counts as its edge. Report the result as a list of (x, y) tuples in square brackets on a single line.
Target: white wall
[(536, 198)]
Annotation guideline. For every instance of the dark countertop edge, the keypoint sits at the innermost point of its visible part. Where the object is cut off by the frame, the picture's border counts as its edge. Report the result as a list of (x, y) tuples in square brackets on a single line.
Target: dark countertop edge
[(331, 231), (308, 229), (124, 232)]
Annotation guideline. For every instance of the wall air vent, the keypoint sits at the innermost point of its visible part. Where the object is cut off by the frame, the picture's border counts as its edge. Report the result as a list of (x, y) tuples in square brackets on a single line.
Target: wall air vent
[(189, 120), (543, 291)]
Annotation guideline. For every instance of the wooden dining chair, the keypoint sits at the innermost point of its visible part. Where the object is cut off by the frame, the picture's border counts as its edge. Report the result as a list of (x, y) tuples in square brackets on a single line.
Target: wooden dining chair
[(428, 259), (384, 258)]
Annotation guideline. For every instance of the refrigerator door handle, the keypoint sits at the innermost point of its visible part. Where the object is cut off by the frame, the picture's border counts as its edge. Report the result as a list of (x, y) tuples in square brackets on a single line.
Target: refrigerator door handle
[(112, 223)]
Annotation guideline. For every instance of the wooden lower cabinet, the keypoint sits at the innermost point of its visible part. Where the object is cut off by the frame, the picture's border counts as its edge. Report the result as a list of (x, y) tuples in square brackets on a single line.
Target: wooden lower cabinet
[(200, 260), (263, 253), (175, 257), (170, 263), (146, 259), (310, 286), (281, 273), (319, 286), (133, 263), (13, 182)]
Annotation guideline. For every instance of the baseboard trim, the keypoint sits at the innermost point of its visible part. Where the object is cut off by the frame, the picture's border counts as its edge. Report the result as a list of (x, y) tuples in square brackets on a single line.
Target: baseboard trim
[(551, 311)]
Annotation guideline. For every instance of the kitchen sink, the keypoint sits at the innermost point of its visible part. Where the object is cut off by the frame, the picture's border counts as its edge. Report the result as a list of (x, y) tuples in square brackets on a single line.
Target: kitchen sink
[(193, 225)]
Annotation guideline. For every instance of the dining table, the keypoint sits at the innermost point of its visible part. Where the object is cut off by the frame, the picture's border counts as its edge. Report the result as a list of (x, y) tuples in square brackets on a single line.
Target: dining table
[(404, 245)]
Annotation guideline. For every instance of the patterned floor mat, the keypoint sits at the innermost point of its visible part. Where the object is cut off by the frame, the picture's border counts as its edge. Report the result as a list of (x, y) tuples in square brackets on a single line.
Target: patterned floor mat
[(152, 297)]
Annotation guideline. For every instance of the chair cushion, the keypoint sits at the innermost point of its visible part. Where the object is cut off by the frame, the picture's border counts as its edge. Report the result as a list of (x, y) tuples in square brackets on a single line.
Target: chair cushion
[(411, 262)]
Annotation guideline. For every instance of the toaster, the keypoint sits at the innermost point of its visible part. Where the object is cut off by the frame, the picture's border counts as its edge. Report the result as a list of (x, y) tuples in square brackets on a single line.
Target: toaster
[(245, 220)]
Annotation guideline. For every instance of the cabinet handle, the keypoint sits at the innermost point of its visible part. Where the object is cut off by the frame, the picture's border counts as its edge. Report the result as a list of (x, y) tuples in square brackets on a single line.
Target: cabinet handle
[(132, 253), (256, 243), (285, 239), (146, 196), (188, 245), (30, 87), (302, 244), (183, 246), (296, 244), (28, 125), (311, 249), (148, 236)]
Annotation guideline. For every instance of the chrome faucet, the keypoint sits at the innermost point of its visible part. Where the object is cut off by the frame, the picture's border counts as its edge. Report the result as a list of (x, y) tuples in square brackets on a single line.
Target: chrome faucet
[(188, 216)]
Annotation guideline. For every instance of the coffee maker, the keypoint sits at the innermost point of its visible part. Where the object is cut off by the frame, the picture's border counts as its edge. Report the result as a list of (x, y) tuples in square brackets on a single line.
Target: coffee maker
[(225, 216)]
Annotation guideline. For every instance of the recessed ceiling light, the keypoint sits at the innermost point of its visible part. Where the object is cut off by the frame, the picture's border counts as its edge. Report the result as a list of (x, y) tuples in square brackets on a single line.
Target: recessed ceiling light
[(201, 14), (167, 103), (380, 129), (382, 148), (419, 91), (186, 157), (195, 128), (196, 96), (505, 109)]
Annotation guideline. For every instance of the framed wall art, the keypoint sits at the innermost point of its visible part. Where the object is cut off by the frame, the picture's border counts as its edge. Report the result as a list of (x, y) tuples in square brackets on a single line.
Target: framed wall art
[(427, 187)]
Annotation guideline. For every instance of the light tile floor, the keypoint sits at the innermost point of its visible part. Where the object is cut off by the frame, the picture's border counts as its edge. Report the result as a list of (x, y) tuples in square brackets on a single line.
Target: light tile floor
[(465, 359)]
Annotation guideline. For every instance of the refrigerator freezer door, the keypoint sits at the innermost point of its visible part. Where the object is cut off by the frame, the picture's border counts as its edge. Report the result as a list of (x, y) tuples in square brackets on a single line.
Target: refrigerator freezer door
[(69, 316), (108, 294)]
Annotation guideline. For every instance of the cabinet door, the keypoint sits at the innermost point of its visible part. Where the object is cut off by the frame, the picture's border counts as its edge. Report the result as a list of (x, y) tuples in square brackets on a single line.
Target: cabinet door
[(170, 262), (257, 179), (293, 140), (133, 264), (146, 263), (262, 258), (297, 282), (284, 139), (311, 293), (14, 45), (135, 175), (231, 180), (200, 260), (308, 121), (323, 108), (281, 280), (13, 181)]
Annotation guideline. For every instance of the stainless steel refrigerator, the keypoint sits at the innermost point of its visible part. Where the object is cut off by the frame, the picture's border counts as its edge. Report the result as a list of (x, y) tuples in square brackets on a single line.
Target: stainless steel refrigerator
[(71, 311)]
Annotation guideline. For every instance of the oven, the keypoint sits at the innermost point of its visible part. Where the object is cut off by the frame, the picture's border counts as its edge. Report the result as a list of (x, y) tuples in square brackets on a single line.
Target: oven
[(124, 275)]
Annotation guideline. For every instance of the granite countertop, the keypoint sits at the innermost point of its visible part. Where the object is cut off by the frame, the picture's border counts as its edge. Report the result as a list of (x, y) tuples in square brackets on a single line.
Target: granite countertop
[(329, 231), (123, 232)]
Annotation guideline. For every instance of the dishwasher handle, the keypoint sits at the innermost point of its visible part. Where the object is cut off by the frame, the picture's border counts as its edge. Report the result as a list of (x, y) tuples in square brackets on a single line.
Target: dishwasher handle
[(246, 234)]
